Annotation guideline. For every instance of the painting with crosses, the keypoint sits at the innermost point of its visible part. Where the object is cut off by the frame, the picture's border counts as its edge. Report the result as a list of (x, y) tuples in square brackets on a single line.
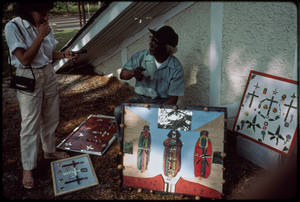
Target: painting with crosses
[(72, 174), (268, 112), (173, 149), (93, 136)]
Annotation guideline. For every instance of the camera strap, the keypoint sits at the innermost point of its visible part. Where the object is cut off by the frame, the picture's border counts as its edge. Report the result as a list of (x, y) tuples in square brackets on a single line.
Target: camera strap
[(10, 58)]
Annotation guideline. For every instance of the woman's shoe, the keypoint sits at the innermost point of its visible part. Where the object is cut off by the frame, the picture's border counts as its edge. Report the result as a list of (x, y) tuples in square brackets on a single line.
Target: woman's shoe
[(24, 182)]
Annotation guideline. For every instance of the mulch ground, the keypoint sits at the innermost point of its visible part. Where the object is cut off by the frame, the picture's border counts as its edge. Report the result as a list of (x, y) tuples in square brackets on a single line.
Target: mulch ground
[(80, 96)]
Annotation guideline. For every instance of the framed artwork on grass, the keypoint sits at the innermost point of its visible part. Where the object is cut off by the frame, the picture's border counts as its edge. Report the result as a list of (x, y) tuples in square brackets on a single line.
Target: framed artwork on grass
[(73, 174), (93, 136), (173, 149), (268, 112)]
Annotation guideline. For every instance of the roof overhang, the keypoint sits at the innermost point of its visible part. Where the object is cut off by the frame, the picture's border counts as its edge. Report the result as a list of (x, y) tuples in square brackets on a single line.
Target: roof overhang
[(110, 25)]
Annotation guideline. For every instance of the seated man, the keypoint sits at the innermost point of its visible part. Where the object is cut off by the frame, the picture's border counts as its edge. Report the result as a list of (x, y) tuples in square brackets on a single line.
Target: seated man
[(159, 75)]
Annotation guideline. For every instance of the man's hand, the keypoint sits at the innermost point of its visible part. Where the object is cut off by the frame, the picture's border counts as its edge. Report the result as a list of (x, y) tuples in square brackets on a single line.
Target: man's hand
[(139, 73)]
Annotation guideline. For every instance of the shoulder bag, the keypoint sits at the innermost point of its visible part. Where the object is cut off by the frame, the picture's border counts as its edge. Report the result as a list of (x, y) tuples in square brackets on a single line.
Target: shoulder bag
[(19, 82)]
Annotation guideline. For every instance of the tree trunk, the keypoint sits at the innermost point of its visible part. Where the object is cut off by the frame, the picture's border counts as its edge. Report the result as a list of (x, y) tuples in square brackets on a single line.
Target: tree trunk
[(83, 13), (67, 9), (79, 13)]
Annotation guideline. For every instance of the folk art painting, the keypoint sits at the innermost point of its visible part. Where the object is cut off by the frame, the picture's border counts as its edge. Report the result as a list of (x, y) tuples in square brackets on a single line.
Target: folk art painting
[(93, 136), (72, 174), (177, 151), (268, 112)]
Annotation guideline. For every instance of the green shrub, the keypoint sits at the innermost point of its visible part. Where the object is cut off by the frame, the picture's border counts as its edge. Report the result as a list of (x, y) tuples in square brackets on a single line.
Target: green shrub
[(60, 8)]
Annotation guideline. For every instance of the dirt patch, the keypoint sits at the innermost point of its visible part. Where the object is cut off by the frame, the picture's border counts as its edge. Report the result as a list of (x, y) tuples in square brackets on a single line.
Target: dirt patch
[(80, 96)]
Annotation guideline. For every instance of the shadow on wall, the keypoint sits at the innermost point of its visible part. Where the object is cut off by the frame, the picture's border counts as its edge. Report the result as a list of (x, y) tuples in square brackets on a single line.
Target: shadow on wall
[(196, 94), (238, 64)]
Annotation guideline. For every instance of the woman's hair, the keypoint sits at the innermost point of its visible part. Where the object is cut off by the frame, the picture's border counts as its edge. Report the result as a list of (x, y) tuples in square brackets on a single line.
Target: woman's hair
[(32, 6)]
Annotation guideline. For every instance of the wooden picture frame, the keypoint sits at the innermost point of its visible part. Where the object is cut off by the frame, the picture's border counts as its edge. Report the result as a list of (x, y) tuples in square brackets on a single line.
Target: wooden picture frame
[(93, 136), (73, 174), (161, 149), (267, 113)]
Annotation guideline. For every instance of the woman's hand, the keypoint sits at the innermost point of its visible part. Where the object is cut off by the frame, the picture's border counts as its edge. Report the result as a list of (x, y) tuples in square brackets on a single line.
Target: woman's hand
[(43, 29), (27, 56), (68, 54)]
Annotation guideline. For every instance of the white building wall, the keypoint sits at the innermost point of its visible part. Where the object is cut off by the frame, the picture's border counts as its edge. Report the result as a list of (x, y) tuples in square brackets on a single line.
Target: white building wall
[(259, 36), (193, 28), (110, 66)]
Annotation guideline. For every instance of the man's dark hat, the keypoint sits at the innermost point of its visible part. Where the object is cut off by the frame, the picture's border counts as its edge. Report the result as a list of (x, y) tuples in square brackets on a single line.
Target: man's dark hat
[(166, 35)]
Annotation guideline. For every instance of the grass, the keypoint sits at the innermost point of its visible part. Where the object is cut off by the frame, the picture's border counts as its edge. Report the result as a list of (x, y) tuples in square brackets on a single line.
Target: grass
[(62, 37)]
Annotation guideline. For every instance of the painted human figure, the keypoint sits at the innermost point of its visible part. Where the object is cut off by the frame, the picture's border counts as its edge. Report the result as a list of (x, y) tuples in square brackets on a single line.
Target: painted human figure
[(263, 133), (265, 125), (143, 151), (172, 154), (292, 116), (288, 137), (283, 97), (203, 156), (203, 141), (242, 124), (265, 91)]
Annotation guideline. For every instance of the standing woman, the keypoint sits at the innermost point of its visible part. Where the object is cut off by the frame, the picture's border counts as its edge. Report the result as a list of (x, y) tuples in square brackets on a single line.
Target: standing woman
[(34, 47)]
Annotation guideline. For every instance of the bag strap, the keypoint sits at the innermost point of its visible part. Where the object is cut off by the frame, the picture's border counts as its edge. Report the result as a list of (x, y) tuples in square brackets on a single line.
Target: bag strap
[(11, 75), (9, 54)]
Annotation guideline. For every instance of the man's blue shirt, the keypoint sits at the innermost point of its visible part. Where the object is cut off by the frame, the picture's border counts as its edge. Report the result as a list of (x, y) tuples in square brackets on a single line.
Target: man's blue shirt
[(167, 80)]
